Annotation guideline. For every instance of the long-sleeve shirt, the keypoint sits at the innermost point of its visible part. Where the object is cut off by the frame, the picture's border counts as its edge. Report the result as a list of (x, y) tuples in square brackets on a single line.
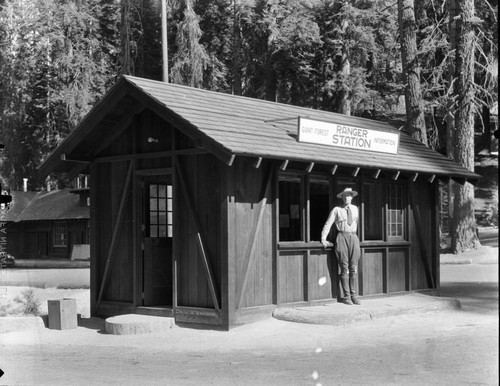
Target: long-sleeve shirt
[(338, 216)]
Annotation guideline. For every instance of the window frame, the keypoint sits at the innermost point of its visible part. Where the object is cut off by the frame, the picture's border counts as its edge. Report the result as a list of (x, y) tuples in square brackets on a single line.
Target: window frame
[(404, 209), (60, 228), (306, 180)]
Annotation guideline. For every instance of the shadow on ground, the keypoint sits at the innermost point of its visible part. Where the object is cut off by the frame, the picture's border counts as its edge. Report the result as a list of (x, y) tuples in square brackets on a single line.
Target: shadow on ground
[(474, 297)]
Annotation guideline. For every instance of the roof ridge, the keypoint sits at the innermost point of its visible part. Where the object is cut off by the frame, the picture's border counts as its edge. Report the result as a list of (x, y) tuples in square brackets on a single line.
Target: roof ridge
[(132, 79)]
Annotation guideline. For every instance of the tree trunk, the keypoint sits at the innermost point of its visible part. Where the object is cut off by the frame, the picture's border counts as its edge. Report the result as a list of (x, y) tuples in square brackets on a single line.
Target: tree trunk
[(415, 119), (236, 50), (125, 60), (463, 231), (345, 70)]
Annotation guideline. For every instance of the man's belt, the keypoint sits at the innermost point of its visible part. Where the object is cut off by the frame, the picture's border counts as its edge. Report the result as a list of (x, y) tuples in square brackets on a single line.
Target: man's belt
[(349, 233)]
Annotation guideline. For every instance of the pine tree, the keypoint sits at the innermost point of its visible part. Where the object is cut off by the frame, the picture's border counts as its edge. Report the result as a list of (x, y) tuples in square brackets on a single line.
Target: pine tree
[(415, 120), (190, 60)]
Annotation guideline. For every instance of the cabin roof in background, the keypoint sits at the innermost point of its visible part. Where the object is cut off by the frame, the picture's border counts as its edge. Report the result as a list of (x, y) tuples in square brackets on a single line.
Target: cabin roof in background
[(53, 205)]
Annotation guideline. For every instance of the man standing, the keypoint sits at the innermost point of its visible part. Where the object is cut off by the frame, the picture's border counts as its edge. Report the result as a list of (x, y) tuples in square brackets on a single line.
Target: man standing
[(347, 248)]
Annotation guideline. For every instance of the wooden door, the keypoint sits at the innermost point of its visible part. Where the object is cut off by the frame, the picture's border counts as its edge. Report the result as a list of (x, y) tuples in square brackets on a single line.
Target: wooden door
[(157, 233)]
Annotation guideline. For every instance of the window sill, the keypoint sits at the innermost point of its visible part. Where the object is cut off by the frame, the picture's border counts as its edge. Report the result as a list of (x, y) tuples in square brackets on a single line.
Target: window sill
[(395, 243), (299, 245)]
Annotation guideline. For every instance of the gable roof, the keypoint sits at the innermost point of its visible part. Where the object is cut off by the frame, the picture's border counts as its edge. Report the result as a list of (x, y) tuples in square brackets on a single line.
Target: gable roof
[(229, 126), (53, 205)]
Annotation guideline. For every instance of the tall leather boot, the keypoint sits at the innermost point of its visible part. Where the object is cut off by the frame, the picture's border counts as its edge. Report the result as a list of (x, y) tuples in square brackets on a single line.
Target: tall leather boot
[(353, 284), (344, 281)]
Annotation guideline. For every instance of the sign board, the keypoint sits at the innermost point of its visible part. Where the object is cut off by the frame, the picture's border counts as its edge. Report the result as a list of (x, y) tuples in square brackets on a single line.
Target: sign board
[(341, 135)]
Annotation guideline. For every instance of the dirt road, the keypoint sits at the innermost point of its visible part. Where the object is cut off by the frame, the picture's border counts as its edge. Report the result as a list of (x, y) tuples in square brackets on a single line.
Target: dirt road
[(445, 348)]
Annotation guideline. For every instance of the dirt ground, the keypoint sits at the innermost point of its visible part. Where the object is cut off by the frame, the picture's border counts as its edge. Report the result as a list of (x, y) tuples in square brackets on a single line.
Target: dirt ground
[(443, 348)]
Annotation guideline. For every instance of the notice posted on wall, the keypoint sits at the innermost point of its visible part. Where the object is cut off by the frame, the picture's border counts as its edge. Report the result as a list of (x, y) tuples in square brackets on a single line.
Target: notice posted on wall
[(341, 135)]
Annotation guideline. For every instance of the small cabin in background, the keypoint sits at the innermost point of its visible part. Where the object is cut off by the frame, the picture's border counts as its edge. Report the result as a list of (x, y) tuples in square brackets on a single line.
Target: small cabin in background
[(48, 225), (208, 207)]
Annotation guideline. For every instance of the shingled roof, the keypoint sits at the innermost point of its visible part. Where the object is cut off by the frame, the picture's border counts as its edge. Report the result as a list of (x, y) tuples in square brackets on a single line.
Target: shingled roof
[(53, 205), (230, 126)]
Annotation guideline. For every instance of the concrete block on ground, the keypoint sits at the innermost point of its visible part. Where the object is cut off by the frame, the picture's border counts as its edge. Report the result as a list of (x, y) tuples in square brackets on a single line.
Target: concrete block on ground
[(131, 324), (62, 314)]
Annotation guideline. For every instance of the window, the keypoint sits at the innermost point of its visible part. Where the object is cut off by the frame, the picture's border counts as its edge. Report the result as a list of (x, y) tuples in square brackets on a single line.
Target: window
[(319, 206), (60, 234), (160, 210), (373, 211), (304, 205), (290, 208), (395, 212)]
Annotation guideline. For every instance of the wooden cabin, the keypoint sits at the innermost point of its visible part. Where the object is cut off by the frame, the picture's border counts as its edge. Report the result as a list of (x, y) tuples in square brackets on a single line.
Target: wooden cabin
[(208, 207), (49, 225)]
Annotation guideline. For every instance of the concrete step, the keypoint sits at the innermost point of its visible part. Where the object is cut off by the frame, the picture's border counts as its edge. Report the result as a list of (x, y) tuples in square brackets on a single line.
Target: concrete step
[(336, 314), (131, 324)]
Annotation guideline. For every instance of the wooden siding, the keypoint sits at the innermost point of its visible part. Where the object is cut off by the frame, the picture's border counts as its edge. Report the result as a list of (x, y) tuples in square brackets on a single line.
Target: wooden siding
[(292, 277), (250, 230), (201, 177), (423, 196), (118, 286), (372, 271), (322, 276)]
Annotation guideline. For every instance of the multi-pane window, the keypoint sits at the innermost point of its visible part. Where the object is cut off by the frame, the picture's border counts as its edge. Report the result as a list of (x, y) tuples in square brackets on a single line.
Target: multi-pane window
[(60, 234), (160, 210), (395, 212)]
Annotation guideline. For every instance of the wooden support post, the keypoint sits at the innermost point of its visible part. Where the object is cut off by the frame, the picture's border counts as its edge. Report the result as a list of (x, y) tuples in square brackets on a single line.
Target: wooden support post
[(355, 172), (257, 163), (310, 167), (376, 174), (284, 165), (334, 169), (115, 232), (395, 176)]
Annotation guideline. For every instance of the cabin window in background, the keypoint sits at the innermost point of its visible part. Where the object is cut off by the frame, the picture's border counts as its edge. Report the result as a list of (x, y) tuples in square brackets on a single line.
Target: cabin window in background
[(60, 233)]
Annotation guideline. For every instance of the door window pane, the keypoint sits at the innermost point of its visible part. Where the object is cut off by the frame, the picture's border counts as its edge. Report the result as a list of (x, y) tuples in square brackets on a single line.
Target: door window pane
[(160, 210)]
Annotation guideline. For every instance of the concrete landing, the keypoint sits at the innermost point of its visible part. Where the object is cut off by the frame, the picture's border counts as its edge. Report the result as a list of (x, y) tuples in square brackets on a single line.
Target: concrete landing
[(336, 314), (131, 324)]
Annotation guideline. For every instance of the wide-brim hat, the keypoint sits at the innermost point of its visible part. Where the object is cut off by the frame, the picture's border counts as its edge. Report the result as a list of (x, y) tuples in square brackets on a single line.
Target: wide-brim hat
[(347, 191)]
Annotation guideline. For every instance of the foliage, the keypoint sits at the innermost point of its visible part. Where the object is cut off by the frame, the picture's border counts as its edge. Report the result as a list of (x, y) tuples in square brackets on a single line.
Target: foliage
[(53, 68), (30, 304), (57, 58)]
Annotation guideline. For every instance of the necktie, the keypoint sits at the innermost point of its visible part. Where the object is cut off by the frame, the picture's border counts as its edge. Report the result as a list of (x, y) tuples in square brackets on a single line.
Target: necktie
[(349, 215)]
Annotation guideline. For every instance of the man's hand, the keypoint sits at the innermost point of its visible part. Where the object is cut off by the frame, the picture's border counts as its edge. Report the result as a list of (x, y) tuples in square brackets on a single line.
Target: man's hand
[(326, 244)]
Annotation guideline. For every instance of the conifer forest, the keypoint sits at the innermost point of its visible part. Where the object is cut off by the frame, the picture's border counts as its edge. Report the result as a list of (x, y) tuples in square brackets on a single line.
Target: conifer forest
[(426, 66)]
